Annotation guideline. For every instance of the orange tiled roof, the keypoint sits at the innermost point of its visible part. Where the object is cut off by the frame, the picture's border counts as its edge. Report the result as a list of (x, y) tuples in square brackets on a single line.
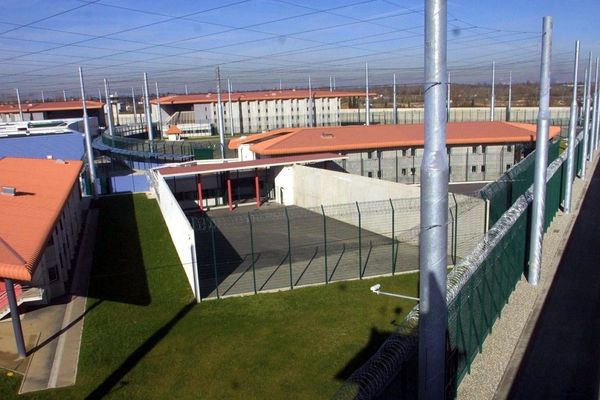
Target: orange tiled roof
[(360, 137), (50, 106), (252, 96), (27, 219)]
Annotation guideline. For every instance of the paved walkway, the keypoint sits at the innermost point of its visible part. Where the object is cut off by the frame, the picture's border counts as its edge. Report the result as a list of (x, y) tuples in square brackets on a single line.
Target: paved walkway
[(540, 323), (562, 357), (53, 333)]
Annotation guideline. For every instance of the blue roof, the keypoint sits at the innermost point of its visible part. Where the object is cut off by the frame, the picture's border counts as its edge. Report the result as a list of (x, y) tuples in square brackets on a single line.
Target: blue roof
[(66, 146)]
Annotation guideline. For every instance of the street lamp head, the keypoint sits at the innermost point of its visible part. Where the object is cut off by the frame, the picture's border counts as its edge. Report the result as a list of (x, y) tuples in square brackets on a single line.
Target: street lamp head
[(375, 288)]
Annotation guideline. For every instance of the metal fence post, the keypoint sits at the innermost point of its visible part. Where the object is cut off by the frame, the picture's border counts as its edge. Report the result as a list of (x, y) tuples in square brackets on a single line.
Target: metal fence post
[(252, 250), (195, 272), (359, 242), (586, 120), (325, 242), (214, 255), (393, 237), (287, 218)]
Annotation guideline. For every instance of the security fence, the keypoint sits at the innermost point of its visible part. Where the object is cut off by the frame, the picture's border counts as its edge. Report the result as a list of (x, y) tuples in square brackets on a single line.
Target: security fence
[(503, 192), (478, 288), (287, 247)]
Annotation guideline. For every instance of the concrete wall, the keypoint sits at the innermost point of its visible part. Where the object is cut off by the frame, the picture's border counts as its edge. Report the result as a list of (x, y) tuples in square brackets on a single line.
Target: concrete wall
[(338, 192)]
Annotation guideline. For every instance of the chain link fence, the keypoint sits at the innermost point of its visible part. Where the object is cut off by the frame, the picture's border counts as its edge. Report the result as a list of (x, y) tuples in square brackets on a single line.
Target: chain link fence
[(287, 247)]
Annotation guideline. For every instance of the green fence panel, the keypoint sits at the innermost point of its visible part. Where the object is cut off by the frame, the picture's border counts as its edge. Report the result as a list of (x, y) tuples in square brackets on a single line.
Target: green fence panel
[(476, 308)]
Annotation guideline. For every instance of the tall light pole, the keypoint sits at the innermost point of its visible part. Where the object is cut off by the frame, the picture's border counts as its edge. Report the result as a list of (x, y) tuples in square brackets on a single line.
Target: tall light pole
[(586, 121), (147, 110), (64, 95), (160, 121), (572, 136), (43, 97), (434, 209), (135, 120), (367, 105), (88, 137), (448, 100), (541, 158), (21, 108), (395, 105), (109, 114), (493, 96), (220, 115), (310, 103), (230, 107), (509, 109)]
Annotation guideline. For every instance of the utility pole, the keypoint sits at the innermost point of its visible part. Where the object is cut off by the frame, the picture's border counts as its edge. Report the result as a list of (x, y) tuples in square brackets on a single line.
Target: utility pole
[(434, 209), (21, 108), (64, 95), (109, 114), (493, 96), (186, 90), (88, 137), (541, 158), (43, 97), (330, 84), (367, 105), (334, 82), (572, 136), (220, 115), (147, 110)]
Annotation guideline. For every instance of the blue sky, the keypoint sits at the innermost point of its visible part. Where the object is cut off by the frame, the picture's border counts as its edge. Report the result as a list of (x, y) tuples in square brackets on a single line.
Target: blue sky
[(259, 42)]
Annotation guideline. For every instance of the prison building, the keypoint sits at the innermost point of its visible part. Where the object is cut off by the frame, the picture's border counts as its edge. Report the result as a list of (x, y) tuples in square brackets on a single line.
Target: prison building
[(39, 227), (52, 110), (477, 151), (251, 112)]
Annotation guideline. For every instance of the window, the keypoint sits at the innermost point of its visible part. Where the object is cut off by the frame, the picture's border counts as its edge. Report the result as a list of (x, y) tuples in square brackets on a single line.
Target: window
[(474, 168), (369, 155), (483, 149), (404, 171), (474, 149), (509, 148), (404, 153), (370, 174), (483, 168), (412, 171), (412, 152), (53, 274), (507, 167)]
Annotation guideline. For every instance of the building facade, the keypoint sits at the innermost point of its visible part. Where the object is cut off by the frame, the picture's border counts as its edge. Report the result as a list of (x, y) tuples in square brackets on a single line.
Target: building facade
[(251, 112)]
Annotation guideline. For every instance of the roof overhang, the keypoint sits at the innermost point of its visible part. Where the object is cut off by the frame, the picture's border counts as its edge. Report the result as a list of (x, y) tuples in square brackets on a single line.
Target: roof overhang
[(230, 166)]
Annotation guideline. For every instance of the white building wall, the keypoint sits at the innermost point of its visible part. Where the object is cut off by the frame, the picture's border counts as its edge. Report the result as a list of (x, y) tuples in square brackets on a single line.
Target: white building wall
[(56, 264)]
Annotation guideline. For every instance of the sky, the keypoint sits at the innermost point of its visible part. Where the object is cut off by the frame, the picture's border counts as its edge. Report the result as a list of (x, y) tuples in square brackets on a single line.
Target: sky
[(258, 43)]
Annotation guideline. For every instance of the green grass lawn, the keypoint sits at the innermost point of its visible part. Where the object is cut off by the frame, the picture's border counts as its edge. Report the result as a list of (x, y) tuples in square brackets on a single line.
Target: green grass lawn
[(144, 338)]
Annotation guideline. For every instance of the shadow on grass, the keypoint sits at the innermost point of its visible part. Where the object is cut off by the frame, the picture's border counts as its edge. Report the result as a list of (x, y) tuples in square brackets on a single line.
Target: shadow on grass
[(118, 273), (114, 381)]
